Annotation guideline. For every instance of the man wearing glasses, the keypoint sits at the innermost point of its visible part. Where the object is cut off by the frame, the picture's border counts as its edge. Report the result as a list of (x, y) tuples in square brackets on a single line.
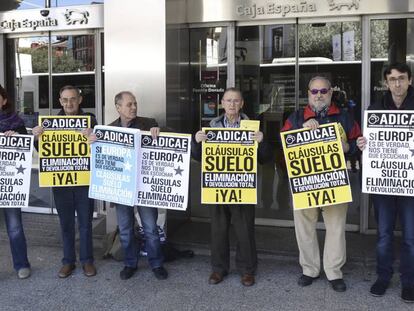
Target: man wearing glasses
[(321, 110), (241, 216), (400, 96), (69, 200)]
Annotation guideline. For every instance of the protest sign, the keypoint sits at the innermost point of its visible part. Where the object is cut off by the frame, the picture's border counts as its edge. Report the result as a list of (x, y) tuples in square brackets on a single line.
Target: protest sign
[(114, 164), (164, 171), (229, 167), (316, 167), (63, 151), (388, 166), (15, 170)]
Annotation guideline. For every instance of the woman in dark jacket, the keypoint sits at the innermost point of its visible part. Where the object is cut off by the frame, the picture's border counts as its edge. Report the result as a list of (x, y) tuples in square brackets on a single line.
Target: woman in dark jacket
[(10, 124)]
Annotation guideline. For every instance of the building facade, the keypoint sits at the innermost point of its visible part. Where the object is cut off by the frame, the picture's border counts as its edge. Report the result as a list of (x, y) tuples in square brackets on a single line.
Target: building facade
[(178, 57)]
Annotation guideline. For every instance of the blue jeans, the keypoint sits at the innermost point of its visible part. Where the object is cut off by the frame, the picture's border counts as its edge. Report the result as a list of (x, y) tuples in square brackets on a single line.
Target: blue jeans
[(126, 220), (18, 247), (387, 207), (67, 201)]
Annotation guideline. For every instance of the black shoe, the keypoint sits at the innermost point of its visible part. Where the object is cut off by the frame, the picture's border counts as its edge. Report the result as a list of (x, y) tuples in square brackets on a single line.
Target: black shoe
[(379, 288), (305, 280), (338, 285), (160, 273), (407, 293), (127, 272)]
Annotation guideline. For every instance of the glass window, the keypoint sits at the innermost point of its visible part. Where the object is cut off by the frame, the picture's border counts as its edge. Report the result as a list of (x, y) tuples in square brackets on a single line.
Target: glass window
[(28, 88), (265, 73), (8, 5)]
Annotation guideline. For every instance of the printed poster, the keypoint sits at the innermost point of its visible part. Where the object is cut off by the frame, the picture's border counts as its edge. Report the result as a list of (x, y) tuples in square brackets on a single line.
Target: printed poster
[(229, 167), (388, 166), (15, 170), (64, 156), (164, 171), (114, 165), (316, 167)]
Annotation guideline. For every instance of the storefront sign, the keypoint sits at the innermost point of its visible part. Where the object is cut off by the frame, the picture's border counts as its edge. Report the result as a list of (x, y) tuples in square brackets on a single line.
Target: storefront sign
[(164, 171), (15, 170), (51, 19), (64, 155), (388, 166), (243, 10), (114, 165), (316, 167), (229, 167)]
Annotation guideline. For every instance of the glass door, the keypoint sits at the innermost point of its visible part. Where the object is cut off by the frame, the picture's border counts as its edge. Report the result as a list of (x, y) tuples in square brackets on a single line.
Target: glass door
[(273, 66), (334, 49), (208, 79), (265, 73), (38, 66)]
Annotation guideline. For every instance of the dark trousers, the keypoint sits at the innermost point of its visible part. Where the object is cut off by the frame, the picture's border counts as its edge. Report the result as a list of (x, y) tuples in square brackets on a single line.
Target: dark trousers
[(242, 218), (67, 201), (387, 208)]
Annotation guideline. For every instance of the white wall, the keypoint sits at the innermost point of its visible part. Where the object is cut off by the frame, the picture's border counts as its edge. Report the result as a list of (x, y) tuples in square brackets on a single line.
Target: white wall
[(135, 59)]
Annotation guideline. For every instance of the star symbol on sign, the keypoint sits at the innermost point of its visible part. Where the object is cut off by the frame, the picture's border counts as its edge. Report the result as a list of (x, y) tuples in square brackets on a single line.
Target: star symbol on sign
[(178, 171), (412, 152), (20, 169), (127, 166)]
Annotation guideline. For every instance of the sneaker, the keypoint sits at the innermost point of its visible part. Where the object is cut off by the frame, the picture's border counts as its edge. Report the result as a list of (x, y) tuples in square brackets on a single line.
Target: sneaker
[(160, 273), (305, 280), (127, 272), (407, 293), (379, 288), (338, 285), (23, 273)]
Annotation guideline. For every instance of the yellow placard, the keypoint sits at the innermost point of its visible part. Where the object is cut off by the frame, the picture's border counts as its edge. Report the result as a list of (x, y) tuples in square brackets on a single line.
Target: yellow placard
[(64, 153), (229, 167), (316, 167), (252, 125)]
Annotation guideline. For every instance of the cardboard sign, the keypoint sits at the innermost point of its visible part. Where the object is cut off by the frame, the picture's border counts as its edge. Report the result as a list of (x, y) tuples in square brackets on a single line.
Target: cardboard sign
[(114, 165), (64, 153), (229, 167), (388, 166), (164, 171), (316, 167), (15, 170)]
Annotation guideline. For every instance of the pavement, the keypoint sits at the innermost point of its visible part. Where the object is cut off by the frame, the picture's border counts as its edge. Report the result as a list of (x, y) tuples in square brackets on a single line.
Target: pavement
[(187, 287)]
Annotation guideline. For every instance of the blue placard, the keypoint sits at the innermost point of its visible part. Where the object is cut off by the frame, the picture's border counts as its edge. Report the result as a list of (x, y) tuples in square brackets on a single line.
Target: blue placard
[(114, 163)]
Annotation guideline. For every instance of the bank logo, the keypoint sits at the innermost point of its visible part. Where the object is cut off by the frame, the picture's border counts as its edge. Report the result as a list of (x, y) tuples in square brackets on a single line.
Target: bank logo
[(46, 123), (339, 4), (290, 139), (76, 17), (373, 119), (99, 134), (147, 140), (211, 135)]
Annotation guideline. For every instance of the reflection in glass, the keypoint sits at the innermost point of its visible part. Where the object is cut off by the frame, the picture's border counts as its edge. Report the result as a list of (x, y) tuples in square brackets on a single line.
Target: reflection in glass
[(73, 53)]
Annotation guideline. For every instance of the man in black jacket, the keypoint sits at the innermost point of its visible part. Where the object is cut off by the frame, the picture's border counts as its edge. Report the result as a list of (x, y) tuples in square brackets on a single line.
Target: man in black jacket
[(69, 200), (400, 96), (126, 106)]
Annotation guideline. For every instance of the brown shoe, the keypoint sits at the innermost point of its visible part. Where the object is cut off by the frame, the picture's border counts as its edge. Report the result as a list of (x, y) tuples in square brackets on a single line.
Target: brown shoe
[(89, 269), (247, 279), (215, 278), (66, 270)]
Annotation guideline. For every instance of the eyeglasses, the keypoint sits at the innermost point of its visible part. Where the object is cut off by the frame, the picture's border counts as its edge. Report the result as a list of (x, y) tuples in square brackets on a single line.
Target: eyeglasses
[(400, 79), (322, 91), (67, 100), (234, 101)]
